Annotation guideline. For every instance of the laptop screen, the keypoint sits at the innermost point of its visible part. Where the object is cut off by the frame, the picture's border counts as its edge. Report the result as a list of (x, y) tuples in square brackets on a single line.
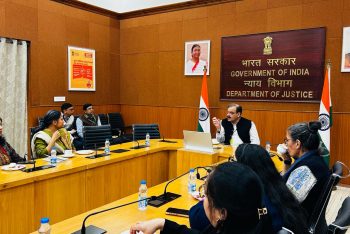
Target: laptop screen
[(199, 141)]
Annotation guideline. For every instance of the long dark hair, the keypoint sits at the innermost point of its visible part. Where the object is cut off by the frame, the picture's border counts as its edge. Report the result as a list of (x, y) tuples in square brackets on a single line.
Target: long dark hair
[(237, 189), (48, 118), (258, 159)]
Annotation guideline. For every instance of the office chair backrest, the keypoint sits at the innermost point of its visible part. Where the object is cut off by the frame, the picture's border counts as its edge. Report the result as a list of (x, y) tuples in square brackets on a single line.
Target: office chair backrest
[(103, 119), (285, 231), (140, 131), (96, 135), (117, 123), (337, 168), (342, 222), (33, 130), (317, 220)]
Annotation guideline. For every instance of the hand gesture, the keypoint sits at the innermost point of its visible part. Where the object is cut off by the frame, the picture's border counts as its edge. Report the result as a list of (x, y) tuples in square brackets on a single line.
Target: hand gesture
[(147, 227), (217, 123), (55, 136)]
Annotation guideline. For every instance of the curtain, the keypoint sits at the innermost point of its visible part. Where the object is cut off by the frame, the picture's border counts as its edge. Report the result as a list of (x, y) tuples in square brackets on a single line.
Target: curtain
[(13, 93)]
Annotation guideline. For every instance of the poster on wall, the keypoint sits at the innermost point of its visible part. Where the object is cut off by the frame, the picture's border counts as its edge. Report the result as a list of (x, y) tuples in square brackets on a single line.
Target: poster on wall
[(345, 59), (285, 66), (81, 69), (197, 55)]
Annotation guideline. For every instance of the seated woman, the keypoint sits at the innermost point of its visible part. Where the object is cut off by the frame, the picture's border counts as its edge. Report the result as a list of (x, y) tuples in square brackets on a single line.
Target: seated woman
[(307, 176), (51, 134), (284, 209), (7, 153), (233, 204)]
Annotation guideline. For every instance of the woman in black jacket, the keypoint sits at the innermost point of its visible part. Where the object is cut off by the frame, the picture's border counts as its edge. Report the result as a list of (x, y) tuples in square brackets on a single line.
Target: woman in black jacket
[(233, 204)]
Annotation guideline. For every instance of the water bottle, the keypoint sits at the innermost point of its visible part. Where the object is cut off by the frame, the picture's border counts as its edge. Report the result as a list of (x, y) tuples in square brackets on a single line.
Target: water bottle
[(143, 195), (53, 158), (147, 142), (191, 182), (107, 147), (44, 226), (268, 146)]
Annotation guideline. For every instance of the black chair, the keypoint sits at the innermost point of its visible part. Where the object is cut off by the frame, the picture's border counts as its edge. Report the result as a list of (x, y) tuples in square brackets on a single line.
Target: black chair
[(342, 222), (117, 124), (317, 220), (284, 231), (103, 119), (96, 135), (32, 130), (140, 131), (40, 120)]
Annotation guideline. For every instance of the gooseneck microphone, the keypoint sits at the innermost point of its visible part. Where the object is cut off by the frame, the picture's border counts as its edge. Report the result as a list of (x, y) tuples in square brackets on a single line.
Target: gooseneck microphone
[(91, 229), (138, 145), (168, 196), (163, 140)]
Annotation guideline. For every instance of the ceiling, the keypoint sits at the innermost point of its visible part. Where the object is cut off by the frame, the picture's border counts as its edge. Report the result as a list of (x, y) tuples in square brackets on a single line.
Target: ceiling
[(125, 6)]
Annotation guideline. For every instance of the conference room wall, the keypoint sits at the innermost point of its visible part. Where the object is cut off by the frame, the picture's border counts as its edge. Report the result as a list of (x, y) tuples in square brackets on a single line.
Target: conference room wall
[(154, 88), (51, 27)]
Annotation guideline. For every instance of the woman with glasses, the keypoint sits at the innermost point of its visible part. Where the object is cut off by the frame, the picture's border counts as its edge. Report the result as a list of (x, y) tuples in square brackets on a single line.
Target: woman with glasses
[(233, 204), (306, 177), (7, 153)]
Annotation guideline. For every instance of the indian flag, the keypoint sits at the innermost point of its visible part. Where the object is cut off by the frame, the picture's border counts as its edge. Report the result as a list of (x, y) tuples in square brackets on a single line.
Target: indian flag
[(204, 115), (325, 116)]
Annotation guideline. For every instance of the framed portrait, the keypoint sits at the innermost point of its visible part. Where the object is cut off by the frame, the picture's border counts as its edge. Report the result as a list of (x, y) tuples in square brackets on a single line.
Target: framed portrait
[(197, 55), (345, 55), (81, 69)]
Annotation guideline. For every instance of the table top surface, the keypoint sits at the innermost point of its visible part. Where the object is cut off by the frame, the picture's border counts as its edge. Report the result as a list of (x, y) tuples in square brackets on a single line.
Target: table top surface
[(79, 162), (120, 219)]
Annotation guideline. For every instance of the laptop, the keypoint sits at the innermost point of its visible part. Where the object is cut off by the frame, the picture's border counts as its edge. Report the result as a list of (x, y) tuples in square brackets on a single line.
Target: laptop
[(199, 141)]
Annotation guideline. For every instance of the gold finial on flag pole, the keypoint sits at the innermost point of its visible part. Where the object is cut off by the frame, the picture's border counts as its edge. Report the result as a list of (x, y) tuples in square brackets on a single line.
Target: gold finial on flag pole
[(205, 69), (329, 64)]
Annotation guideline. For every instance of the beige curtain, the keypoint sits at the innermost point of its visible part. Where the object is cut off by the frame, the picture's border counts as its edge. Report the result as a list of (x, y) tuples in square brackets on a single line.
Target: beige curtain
[(13, 93)]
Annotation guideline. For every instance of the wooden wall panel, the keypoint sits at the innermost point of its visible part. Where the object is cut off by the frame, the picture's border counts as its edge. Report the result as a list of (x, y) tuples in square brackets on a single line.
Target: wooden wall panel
[(214, 22), (271, 125), (78, 109), (51, 27)]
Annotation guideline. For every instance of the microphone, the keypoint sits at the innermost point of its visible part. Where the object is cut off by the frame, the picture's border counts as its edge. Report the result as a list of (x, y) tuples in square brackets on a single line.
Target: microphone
[(163, 140), (91, 229), (204, 177), (96, 155), (138, 144), (168, 196)]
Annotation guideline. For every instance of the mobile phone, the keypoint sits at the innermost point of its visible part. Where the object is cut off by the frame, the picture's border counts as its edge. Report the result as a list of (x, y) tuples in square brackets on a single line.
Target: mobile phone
[(177, 212)]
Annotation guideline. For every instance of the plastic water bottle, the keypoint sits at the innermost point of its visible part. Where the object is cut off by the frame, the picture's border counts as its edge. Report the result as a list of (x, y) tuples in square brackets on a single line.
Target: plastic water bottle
[(107, 147), (191, 182), (143, 195), (44, 226), (268, 146), (148, 142), (53, 158)]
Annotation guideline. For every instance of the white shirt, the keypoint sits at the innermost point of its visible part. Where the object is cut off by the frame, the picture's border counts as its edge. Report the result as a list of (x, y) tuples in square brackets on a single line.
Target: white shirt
[(199, 69), (236, 140), (79, 124)]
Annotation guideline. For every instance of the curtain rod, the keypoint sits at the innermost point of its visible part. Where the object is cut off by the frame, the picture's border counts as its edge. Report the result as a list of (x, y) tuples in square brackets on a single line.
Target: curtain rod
[(10, 40)]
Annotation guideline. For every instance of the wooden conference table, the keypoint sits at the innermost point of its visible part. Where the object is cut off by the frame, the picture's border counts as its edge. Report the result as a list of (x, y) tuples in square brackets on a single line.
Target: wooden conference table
[(80, 184), (120, 219)]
